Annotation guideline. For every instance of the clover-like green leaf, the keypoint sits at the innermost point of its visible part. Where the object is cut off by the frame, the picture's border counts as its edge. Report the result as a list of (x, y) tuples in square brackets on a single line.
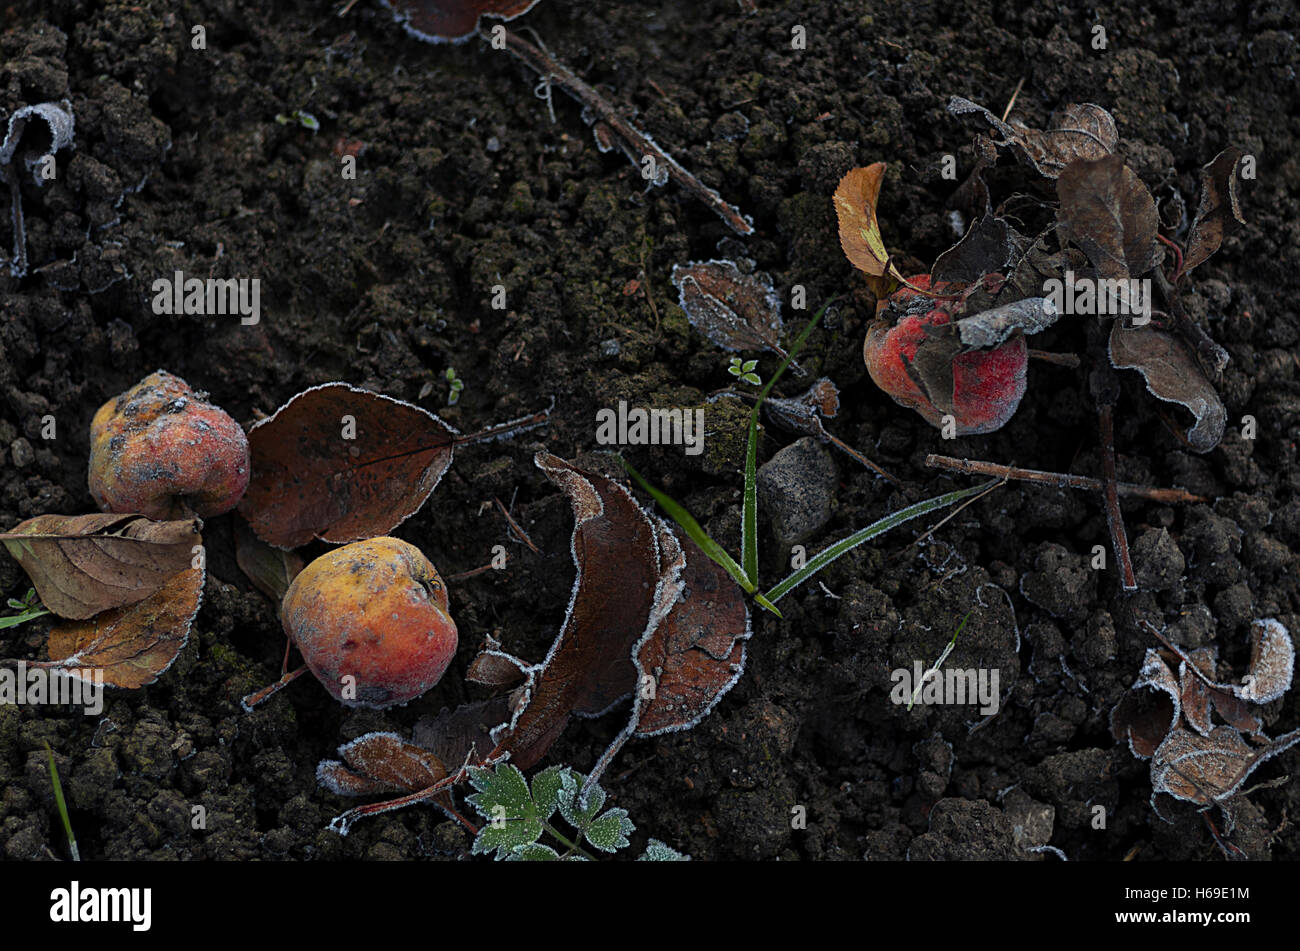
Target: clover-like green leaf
[(656, 851), (547, 787), (579, 814), (504, 800), (534, 852), (609, 833)]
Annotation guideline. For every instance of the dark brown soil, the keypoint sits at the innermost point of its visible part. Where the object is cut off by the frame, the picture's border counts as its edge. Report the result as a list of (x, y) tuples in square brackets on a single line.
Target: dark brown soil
[(463, 183)]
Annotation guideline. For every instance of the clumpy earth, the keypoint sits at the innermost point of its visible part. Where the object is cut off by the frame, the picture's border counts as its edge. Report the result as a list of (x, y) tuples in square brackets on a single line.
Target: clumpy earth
[(200, 161)]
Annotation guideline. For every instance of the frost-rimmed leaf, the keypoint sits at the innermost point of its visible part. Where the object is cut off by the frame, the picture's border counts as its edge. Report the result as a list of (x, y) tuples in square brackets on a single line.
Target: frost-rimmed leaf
[(609, 832), (380, 762), (452, 21), (1219, 212), (1209, 769), (656, 851), (1272, 662), (736, 311), (504, 800), (582, 810), (533, 852), (341, 464), (1173, 375), (1141, 719), (131, 646), (1080, 130), (270, 569), (589, 666), (81, 565)]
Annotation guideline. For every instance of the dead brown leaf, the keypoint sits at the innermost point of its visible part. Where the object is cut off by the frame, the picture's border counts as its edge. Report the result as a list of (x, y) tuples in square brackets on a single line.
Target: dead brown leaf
[(81, 565), (736, 311), (341, 464), (1109, 214), (1172, 374), (132, 645), (1080, 130), (1219, 212)]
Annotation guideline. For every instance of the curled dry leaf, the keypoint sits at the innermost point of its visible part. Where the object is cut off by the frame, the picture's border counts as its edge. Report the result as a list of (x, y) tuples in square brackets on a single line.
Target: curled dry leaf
[(804, 413), (1219, 211), (1109, 214), (1142, 718), (589, 666), (1081, 130), (342, 464), (132, 645), (380, 762), (736, 311), (989, 246), (271, 570), (1209, 769), (1172, 374), (83, 564), (442, 21)]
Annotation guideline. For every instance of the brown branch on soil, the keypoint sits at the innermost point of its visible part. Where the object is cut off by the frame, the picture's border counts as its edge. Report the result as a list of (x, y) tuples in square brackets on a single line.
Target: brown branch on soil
[(636, 145), (1067, 480)]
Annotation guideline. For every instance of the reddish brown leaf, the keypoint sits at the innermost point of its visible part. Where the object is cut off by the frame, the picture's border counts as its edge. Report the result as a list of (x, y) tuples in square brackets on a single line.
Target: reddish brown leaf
[(464, 734), (1173, 375), (696, 653), (804, 413), (1219, 212), (83, 564), (1194, 691), (342, 464), (380, 762), (856, 199), (492, 667), (440, 21), (589, 667), (132, 645), (1272, 662), (734, 310)]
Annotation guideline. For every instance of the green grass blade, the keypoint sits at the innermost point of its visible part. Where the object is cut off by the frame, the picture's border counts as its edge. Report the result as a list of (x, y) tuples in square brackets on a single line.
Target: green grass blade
[(828, 555), (63, 806), (694, 529), (14, 620), (749, 511)]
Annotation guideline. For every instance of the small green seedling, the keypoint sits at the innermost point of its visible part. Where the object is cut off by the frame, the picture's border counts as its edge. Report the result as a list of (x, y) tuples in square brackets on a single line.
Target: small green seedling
[(745, 371), (518, 816), (747, 576), (304, 119), (29, 608), (934, 670), (455, 385), (62, 805)]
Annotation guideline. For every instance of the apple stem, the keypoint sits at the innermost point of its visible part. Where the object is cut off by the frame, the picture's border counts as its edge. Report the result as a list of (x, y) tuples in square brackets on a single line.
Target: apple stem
[(270, 690)]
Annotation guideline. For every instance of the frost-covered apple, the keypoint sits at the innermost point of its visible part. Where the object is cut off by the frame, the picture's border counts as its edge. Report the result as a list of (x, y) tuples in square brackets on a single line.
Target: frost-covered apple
[(913, 353), (371, 621), (161, 450)]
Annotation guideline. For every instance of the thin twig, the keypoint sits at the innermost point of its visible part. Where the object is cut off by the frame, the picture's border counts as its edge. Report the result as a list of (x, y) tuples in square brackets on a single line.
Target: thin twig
[(1060, 359), (1012, 101), (1114, 517), (461, 576), (517, 528), (636, 144), (1065, 480)]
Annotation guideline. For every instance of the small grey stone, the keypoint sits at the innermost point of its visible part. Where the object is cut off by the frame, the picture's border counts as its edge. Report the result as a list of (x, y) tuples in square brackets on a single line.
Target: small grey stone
[(22, 453), (796, 487)]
